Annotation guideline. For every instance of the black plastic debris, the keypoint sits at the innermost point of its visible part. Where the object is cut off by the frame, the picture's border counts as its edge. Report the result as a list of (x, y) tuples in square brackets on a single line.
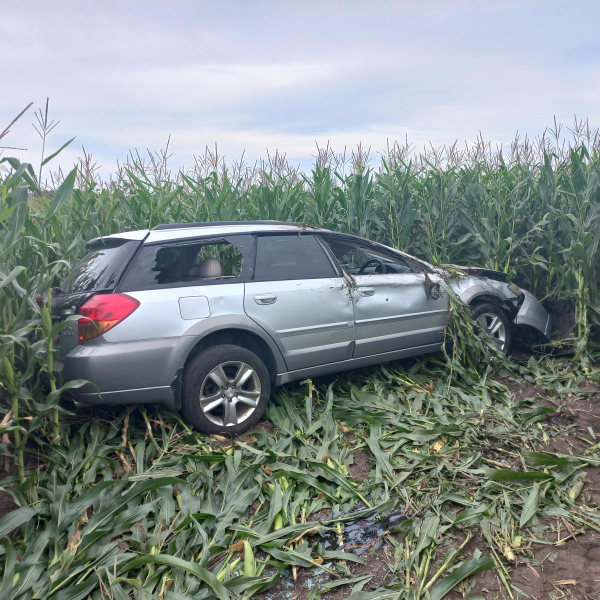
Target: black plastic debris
[(362, 533)]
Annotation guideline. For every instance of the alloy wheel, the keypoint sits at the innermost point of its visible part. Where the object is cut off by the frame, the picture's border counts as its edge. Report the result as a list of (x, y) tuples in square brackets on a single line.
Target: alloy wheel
[(230, 393), (494, 327)]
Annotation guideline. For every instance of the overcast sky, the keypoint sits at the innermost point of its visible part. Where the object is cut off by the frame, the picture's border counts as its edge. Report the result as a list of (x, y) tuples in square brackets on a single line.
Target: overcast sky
[(258, 75)]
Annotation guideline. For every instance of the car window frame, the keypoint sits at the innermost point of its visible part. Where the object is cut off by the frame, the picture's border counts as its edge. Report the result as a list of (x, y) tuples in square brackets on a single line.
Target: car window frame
[(337, 271), (129, 250), (246, 247), (415, 268)]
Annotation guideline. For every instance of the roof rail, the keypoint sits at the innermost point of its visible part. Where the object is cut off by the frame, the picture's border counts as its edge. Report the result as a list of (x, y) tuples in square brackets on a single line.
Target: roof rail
[(220, 223)]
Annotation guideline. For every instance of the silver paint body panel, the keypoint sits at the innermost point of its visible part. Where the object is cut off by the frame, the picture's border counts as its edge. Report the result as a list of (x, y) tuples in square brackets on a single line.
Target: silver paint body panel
[(311, 326), (311, 320), (159, 314), (396, 314), (354, 363), (532, 314), (470, 288)]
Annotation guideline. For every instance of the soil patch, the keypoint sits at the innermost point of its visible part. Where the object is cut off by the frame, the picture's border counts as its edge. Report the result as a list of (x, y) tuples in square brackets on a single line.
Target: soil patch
[(522, 389), (550, 573), (6, 504), (584, 415), (361, 465)]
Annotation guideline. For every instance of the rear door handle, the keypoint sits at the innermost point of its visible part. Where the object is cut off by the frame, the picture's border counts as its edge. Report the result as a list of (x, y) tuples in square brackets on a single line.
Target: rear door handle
[(365, 291), (265, 298)]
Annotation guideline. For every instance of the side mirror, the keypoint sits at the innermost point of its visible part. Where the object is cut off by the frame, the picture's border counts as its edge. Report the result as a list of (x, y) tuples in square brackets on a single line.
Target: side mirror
[(432, 289)]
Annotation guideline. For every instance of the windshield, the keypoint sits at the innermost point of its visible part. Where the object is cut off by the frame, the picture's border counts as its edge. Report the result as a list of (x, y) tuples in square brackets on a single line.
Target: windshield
[(99, 269)]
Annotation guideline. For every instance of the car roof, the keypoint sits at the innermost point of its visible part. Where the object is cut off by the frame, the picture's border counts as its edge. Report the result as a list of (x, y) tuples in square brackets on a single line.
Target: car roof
[(163, 233), (175, 231), (180, 231)]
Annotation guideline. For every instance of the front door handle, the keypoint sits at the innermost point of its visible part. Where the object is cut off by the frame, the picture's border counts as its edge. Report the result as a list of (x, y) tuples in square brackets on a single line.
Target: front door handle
[(265, 298), (365, 291)]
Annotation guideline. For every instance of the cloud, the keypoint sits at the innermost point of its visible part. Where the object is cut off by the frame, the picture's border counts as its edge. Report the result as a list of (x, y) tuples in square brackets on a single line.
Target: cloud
[(252, 76), (198, 87), (253, 144)]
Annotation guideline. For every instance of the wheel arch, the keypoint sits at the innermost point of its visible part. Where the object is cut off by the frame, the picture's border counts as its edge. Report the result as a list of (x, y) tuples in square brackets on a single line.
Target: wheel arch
[(240, 331), (481, 295)]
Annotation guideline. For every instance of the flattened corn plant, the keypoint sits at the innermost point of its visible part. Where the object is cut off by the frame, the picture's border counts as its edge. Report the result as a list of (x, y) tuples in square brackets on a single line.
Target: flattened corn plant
[(139, 506), (136, 505)]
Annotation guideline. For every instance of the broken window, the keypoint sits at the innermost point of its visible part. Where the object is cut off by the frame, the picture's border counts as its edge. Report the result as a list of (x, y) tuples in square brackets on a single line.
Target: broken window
[(186, 263)]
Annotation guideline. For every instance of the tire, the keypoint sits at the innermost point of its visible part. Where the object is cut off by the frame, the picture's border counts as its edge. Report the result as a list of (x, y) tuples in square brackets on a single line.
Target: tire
[(497, 323), (227, 407)]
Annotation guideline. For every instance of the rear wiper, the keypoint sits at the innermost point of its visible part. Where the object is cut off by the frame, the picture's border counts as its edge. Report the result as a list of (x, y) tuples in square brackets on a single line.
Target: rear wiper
[(58, 290)]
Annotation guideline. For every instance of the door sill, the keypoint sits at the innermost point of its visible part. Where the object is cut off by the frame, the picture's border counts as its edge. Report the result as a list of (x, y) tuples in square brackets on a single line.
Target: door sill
[(355, 363)]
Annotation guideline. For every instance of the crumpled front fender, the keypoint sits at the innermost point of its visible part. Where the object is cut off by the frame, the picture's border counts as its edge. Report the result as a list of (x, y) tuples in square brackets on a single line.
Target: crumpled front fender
[(533, 314)]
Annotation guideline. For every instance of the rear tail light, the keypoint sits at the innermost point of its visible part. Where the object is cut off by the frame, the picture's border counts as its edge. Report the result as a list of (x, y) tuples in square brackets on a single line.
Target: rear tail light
[(101, 313)]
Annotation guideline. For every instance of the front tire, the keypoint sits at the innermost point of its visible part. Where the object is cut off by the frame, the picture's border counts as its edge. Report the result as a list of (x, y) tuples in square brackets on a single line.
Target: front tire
[(226, 389), (492, 320)]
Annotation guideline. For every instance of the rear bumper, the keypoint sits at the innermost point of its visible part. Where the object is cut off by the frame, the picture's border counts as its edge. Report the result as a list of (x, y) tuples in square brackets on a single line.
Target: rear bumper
[(533, 314), (126, 372), (158, 395)]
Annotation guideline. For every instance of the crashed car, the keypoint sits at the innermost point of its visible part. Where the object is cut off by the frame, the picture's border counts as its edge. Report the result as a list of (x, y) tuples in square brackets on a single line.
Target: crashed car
[(210, 317)]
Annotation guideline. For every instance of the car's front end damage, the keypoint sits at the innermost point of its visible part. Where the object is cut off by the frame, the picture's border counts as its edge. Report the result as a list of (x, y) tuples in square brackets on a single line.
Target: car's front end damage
[(531, 320), (533, 317), (532, 324)]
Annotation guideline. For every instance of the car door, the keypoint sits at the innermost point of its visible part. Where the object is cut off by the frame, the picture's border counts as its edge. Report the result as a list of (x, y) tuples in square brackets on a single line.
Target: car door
[(301, 299), (392, 310)]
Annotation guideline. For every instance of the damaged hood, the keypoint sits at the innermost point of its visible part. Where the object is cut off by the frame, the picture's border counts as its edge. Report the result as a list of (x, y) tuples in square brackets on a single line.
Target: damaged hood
[(483, 272)]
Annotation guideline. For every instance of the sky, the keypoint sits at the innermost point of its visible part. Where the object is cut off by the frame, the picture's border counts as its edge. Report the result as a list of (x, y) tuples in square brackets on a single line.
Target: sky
[(253, 76)]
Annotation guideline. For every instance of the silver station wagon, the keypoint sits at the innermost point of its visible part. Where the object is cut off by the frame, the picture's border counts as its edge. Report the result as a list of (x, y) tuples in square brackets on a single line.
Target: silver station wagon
[(210, 317)]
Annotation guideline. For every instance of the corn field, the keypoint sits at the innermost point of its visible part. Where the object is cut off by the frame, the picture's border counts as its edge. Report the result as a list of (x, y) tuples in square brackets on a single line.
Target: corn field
[(120, 504)]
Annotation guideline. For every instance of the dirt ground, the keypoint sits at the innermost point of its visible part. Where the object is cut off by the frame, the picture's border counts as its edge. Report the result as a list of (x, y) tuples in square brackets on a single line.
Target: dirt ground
[(6, 504), (551, 572), (542, 572), (6, 501), (570, 570)]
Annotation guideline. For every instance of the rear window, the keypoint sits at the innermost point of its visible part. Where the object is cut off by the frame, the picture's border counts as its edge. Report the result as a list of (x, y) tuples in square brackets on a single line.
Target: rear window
[(284, 257), (100, 268), (189, 263)]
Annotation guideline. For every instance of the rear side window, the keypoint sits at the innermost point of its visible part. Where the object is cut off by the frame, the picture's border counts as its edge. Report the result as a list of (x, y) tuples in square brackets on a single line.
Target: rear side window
[(283, 257), (189, 263), (100, 268)]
